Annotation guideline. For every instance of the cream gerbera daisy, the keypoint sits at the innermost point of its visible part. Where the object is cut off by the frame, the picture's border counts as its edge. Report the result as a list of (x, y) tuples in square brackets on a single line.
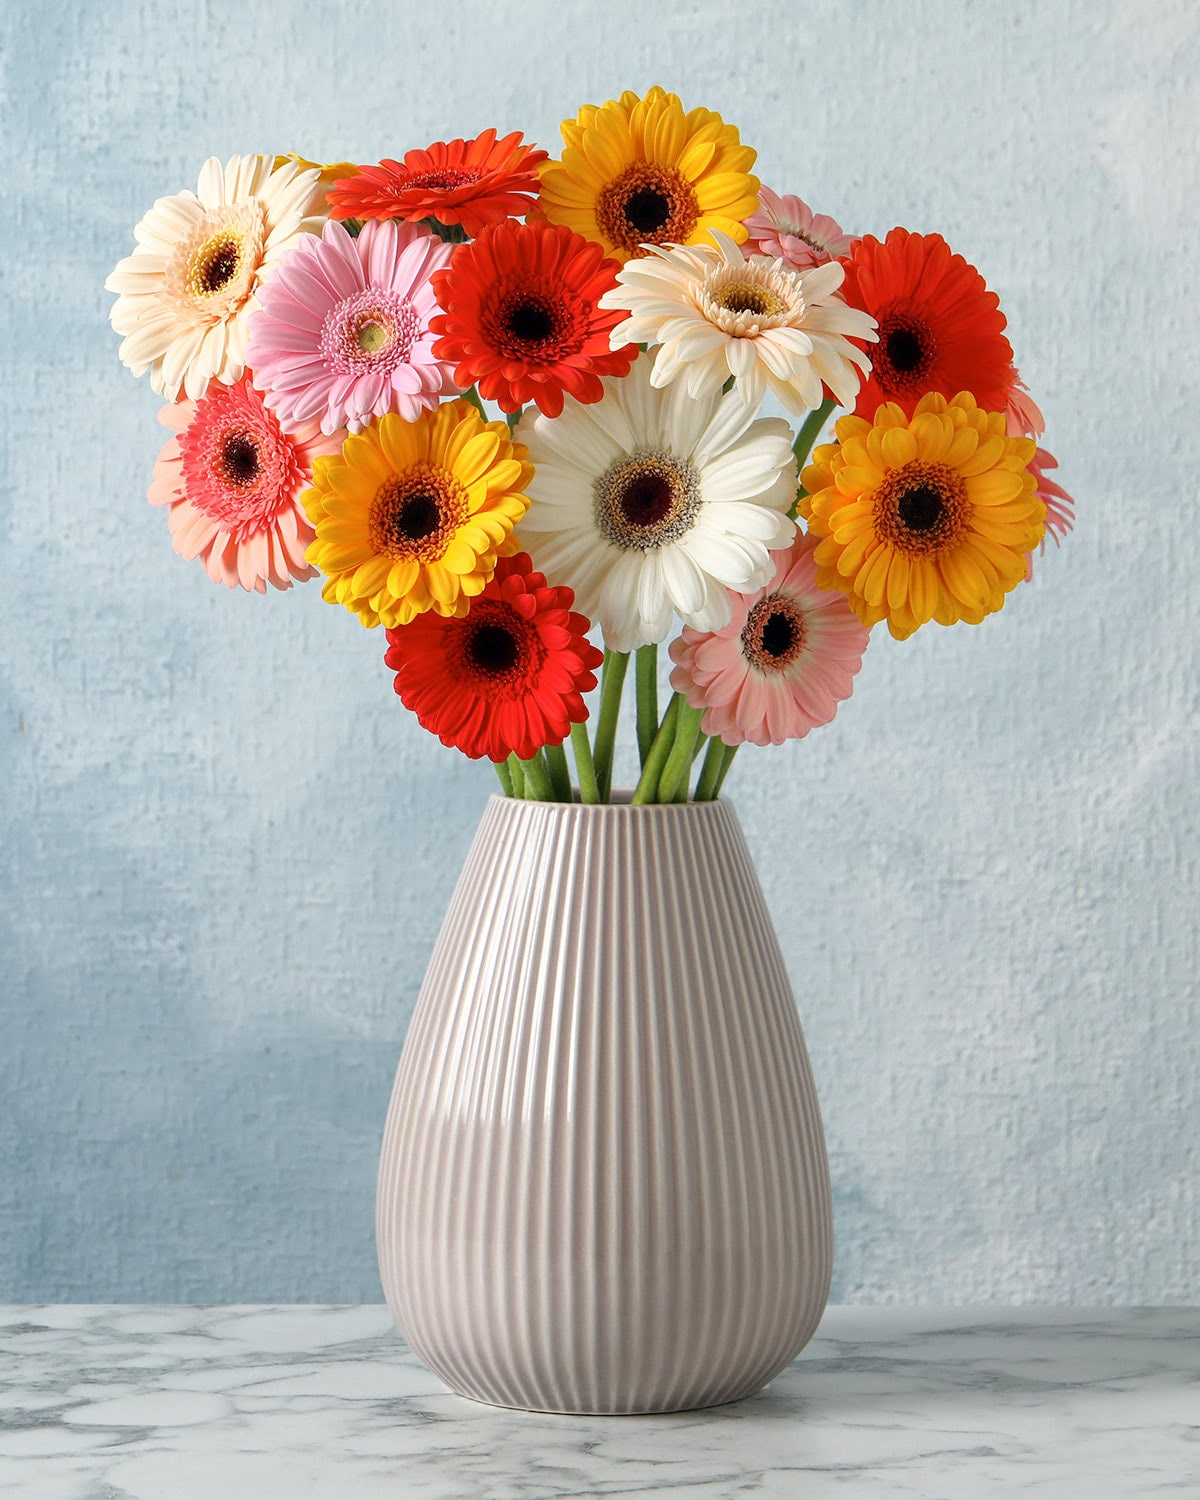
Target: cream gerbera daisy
[(651, 502), (716, 313), (187, 290)]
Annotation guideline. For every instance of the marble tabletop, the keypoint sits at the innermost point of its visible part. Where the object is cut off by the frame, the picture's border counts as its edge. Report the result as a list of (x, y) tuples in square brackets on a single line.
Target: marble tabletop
[(285, 1403)]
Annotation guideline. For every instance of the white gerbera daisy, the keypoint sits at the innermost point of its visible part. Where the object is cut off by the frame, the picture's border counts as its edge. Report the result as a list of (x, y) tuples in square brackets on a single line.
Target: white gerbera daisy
[(652, 502), (188, 288), (717, 313)]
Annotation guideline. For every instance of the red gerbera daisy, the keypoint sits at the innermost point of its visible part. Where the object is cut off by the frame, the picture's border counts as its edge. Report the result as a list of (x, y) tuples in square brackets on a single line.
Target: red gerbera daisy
[(940, 329), (506, 677), (472, 183), (522, 320)]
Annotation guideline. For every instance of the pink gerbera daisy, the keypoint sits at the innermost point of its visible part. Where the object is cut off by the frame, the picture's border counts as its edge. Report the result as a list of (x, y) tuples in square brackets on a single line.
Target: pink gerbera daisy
[(788, 230), (1024, 419), (343, 331), (781, 666), (233, 478)]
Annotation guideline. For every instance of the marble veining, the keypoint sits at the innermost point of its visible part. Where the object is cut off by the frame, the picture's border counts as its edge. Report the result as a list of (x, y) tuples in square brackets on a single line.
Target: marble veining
[(286, 1403)]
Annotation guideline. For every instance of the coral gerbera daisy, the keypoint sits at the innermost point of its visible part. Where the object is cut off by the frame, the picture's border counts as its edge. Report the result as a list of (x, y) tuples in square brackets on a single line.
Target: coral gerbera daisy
[(507, 677), (522, 317), (940, 329), (233, 479), (787, 229), (651, 502), (920, 518), (782, 664), (638, 172), (343, 333), (717, 314), (468, 183), (187, 291), (413, 515)]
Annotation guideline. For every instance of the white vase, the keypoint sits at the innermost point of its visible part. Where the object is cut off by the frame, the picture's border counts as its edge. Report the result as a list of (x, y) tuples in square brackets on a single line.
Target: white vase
[(603, 1185)]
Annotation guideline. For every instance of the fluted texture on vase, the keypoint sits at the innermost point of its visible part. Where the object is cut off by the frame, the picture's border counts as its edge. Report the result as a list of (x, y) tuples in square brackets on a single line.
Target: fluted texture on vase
[(603, 1185)]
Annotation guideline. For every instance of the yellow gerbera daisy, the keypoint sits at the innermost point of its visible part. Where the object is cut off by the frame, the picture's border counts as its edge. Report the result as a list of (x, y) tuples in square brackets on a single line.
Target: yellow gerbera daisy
[(928, 518), (330, 172), (641, 171), (413, 515)]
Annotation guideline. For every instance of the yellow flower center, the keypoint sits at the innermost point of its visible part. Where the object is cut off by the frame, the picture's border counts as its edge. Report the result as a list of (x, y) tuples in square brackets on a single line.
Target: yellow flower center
[(371, 337), (215, 264), (746, 297), (921, 508), (647, 204), (416, 513)]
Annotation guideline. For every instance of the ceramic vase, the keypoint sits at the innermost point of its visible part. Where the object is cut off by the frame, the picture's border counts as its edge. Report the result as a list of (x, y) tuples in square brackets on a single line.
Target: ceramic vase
[(603, 1186)]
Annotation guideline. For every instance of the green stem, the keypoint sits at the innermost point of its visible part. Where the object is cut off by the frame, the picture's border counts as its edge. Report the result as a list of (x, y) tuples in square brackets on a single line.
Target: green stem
[(612, 679), (517, 774), (476, 401), (809, 432), (730, 752), (537, 779), (647, 787), (589, 791), (505, 776), (681, 791), (560, 774), (647, 699), (714, 759), (679, 762)]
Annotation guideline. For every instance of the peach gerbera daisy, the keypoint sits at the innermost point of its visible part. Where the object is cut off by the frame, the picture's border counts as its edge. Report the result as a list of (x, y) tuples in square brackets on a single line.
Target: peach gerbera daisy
[(233, 479), (188, 289)]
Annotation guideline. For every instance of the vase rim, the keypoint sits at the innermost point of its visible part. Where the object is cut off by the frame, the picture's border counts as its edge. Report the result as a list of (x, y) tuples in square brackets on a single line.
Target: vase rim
[(621, 805)]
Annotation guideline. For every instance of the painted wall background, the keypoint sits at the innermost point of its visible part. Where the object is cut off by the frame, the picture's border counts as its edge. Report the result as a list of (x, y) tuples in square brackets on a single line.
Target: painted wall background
[(226, 850)]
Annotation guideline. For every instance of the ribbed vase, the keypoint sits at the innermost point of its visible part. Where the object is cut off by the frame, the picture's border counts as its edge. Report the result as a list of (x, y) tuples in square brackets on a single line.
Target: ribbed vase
[(604, 1185)]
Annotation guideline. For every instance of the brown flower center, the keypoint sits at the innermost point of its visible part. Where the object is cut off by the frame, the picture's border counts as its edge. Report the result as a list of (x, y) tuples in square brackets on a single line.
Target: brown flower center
[(238, 460), (921, 508), (774, 634), (215, 265), (647, 204), (646, 500), (905, 353), (415, 514)]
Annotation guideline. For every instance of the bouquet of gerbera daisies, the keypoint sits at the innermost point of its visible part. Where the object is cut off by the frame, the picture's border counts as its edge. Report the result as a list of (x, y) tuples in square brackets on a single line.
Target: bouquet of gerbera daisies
[(329, 339)]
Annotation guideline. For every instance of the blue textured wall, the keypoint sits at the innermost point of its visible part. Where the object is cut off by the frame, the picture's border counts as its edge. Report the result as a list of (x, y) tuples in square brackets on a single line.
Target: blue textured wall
[(226, 850)]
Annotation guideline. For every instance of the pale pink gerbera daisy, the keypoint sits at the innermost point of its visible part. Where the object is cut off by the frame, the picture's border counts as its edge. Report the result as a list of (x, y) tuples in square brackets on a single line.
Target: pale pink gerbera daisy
[(781, 666), (1024, 419), (189, 289), (788, 230), (233, 479), (343, 334)]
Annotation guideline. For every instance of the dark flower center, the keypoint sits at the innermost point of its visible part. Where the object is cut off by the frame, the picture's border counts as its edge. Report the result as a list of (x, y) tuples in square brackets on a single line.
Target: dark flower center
[(448, 177), (779, 634), (220, 267), (415, 514), (646, 204), (905, 353), (240, 460), (530, 320), (492, 649), (647, 210), (416, 518), (920, 508), (646, 499), (774, 633)]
